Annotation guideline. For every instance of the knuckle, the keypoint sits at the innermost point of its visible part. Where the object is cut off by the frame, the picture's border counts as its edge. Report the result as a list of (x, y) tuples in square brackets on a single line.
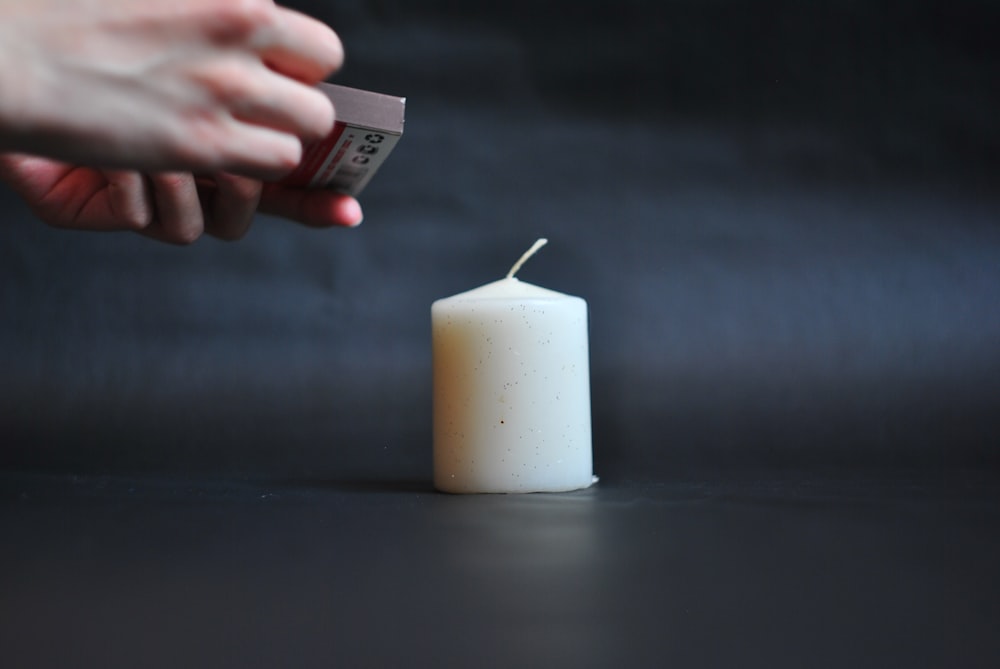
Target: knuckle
[(239, 20), (172, 180), (129, 216), (261, 12), (135, 221), (184, 235), (245, 190), (227, 82), (201, 145), (221, 145)]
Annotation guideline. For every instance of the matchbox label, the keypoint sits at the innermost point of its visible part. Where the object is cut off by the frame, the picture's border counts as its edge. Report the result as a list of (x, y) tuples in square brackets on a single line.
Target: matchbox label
[(367, 129)]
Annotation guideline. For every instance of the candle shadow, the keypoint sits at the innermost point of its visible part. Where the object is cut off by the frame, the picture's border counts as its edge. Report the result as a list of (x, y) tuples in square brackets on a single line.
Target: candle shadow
[(407, 486)]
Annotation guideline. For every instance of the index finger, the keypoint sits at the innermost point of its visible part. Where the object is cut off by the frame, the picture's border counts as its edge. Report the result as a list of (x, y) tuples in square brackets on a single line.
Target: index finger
[(300, 47)]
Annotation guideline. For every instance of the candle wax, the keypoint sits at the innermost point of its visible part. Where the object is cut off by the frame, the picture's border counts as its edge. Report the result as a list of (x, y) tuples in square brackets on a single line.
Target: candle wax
[(511, 390)]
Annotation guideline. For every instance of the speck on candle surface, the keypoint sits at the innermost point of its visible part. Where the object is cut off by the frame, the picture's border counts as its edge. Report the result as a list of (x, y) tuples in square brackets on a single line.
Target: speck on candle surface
[(511, 389)]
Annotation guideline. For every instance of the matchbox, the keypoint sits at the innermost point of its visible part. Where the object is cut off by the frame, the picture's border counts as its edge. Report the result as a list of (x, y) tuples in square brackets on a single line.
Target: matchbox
[(367, 128)]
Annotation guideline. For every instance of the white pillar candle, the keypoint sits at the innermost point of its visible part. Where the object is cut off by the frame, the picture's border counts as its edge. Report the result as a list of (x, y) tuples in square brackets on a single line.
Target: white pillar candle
[(511, 389)]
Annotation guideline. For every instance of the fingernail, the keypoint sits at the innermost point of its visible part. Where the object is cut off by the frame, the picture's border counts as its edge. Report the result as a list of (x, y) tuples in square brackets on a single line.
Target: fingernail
[(355, 214)]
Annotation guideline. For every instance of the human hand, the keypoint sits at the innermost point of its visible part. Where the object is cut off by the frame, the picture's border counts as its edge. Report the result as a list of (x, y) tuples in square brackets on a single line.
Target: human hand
[(164, 85), (172, 207)]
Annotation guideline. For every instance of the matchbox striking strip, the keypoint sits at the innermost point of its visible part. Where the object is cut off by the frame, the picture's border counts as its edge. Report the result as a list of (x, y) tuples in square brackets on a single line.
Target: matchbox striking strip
[(367, 128)]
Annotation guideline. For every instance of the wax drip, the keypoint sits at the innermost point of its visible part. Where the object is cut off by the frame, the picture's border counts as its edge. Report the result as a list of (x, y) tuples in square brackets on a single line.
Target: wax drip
[(527, 254)]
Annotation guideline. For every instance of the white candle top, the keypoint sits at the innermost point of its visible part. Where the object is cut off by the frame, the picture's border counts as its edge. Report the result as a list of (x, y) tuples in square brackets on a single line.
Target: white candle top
[(508, 288)]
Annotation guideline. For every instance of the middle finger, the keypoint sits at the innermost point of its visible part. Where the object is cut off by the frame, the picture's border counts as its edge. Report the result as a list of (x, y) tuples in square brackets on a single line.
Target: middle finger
[(178, 217), (263, 97), (229, 203)]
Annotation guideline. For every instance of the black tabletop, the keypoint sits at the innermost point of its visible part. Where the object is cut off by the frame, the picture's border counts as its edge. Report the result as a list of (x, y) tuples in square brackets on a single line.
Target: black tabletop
[(786, 571)]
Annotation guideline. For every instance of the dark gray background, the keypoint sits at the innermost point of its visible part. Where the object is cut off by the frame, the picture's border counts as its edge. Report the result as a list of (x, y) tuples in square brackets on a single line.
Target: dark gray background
[(786, 221), (783, 216)]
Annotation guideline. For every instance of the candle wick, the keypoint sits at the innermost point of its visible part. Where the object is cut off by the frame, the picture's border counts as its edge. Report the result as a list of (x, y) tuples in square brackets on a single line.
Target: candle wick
[(527, 254)]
